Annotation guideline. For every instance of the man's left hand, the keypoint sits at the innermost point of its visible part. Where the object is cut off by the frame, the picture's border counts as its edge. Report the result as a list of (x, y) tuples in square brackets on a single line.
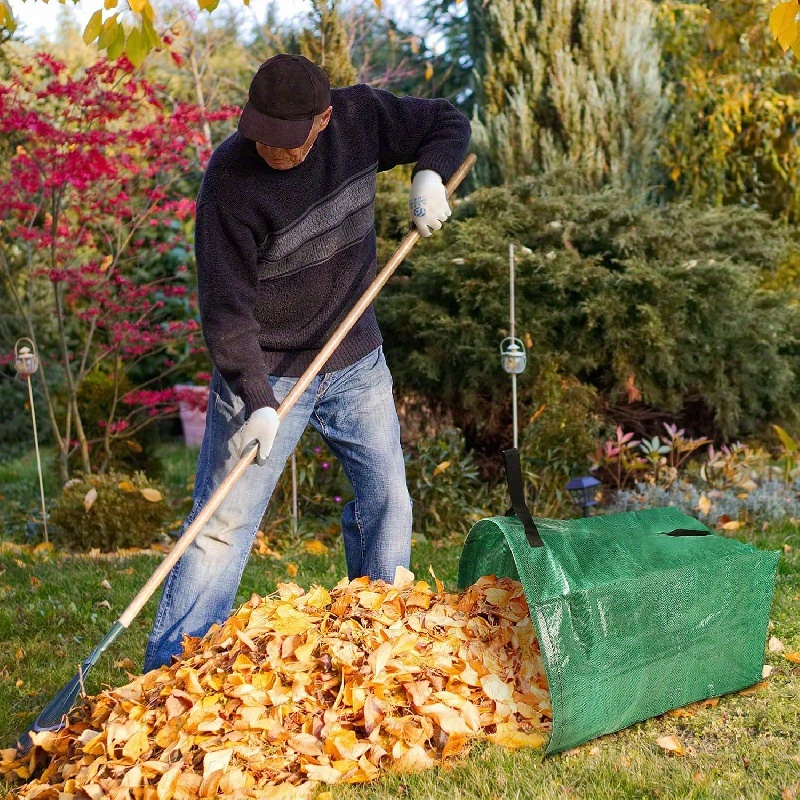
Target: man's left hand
[(428, 202)]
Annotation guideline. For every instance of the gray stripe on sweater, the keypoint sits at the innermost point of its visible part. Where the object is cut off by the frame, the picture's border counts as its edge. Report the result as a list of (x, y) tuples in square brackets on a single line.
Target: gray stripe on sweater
[(338, 222)]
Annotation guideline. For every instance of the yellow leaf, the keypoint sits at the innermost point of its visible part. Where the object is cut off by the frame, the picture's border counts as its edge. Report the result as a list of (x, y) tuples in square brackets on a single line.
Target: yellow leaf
[(89, 498), (508, 736), (136, 745), (414, 760), (793, 657), (732, 525), (783, 25), (496, 688), (428, 70), (153, 495), (165, 790), (136, 47), (316, 547), (291, 570), (377, 660), (440, 468), (126, 486), (670, 744), (7, 19), (216, 760), (318, 597), (110, 3), (137, 5), (703, 505), (93, 27)]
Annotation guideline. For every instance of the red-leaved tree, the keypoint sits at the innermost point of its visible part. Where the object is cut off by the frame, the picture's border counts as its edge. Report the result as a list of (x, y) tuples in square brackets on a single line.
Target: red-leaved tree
[(95, 222)]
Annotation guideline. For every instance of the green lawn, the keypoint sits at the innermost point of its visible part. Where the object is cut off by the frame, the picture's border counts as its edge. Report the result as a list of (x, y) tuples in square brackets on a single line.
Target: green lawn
[(54, 610)]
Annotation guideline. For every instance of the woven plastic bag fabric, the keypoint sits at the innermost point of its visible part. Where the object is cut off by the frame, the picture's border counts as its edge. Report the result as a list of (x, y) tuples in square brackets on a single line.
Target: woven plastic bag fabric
[(631, 621)]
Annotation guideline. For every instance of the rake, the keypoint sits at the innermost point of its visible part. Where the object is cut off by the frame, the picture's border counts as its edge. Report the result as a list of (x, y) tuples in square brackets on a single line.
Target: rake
[(54, 716)]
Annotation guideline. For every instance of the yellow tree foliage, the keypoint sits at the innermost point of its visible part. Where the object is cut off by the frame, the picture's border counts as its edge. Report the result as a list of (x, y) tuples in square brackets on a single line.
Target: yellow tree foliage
[(122, 26), (784, 26)]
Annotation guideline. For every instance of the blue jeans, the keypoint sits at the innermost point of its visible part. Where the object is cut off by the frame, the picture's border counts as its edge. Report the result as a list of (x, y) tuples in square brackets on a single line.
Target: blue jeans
[(354, 411)]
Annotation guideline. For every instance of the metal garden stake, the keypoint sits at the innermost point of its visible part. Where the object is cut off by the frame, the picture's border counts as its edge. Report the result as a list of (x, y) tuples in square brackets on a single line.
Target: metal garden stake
[(26, 362), (512, 351)]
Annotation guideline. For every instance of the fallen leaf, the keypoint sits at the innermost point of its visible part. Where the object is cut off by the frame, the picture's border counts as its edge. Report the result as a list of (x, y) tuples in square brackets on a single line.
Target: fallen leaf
[(316, 547), (775, 645), (793, 657), (153, 495), (89, 498), (703, 505), (670, 744)]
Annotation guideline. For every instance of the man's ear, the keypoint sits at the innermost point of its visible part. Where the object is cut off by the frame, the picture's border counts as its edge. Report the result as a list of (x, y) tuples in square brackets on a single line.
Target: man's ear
[(325, 118)]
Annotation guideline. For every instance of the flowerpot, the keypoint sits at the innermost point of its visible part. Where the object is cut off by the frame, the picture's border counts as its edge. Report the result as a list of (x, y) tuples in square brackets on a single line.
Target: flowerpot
[(192, 403)]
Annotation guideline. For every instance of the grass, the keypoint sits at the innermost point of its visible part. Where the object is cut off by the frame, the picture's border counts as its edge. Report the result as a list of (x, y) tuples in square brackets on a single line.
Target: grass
[(54, 610)]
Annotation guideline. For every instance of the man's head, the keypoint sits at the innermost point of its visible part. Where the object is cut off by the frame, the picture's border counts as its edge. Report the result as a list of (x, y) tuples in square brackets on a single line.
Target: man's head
[(289, 104)]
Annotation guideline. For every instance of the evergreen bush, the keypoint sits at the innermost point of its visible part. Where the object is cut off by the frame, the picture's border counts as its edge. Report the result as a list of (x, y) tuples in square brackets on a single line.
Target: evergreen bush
[(666, 308), (108, 512)]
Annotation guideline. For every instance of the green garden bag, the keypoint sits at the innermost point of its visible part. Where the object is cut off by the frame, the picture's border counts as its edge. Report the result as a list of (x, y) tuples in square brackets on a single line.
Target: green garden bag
[(636, 613)]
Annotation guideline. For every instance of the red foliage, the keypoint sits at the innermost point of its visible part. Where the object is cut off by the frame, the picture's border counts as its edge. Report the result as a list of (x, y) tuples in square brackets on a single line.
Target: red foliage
[(92, 198)]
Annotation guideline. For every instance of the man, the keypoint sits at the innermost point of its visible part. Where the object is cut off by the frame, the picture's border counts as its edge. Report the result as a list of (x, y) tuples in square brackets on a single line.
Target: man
[(285, 244)]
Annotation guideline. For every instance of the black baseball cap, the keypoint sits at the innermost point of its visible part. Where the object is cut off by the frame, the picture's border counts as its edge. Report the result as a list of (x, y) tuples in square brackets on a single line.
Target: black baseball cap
[(286, 94)]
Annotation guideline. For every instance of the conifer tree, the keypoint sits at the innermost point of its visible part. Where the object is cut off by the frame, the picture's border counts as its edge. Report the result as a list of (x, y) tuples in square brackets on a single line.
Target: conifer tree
[(566, 84), (327, 43)]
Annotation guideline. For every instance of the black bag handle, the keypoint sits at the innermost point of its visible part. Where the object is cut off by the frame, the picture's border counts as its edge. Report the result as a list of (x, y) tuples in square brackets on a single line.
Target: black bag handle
[(518, 507)]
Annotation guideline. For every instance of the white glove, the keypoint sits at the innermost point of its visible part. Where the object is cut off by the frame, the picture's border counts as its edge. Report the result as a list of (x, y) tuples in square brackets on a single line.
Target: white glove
[(261, 427), (428, 202)]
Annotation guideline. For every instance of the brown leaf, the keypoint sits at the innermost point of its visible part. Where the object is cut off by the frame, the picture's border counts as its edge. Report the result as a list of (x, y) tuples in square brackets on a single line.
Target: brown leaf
[(670, 744)]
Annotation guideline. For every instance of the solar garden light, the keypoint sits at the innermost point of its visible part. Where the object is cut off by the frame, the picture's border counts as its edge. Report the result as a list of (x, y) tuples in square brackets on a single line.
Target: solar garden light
[(512, 351), (26, 362), (583, 492)]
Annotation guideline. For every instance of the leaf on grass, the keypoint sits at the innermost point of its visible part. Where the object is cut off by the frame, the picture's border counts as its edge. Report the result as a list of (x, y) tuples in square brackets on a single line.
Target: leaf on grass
[(775, 645), (509, 736), (316, 547), (89, 498), (153, 495), (793, 657), (670, 744)]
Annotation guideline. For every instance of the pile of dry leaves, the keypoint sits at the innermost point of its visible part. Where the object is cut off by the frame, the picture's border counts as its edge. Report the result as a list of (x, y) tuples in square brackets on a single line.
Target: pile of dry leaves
[(302, 687)]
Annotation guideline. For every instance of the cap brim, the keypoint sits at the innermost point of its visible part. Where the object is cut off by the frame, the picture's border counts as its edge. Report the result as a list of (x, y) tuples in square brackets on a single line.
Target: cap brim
[(273, 132)]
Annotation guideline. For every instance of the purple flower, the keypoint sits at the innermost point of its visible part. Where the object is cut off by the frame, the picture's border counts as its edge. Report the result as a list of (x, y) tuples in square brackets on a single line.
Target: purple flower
[(337, 499), (325, 465), (317, 449)]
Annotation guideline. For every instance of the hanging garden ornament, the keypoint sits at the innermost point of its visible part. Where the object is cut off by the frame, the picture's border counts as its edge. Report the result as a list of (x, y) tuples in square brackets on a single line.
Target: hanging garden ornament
[(26, 362)]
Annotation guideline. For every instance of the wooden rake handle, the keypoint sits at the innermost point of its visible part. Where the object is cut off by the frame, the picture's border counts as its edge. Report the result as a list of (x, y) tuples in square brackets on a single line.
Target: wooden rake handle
[(190, 534)]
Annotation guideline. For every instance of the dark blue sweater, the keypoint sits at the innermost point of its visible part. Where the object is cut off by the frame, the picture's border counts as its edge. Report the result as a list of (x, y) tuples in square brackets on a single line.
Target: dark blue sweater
[(283, 255)]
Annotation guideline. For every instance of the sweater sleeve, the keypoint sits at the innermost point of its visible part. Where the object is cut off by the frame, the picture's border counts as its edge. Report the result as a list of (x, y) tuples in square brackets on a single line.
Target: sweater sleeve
[(227, 284), (432, 133)]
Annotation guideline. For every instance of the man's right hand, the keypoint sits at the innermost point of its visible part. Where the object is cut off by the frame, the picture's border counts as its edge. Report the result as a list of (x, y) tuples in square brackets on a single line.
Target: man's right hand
[(262, 428)]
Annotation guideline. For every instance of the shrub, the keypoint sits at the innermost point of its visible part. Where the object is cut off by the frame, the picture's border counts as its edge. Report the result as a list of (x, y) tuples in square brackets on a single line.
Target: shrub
[(109, 511), (661, 307), (445, 487), (770, 501)]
